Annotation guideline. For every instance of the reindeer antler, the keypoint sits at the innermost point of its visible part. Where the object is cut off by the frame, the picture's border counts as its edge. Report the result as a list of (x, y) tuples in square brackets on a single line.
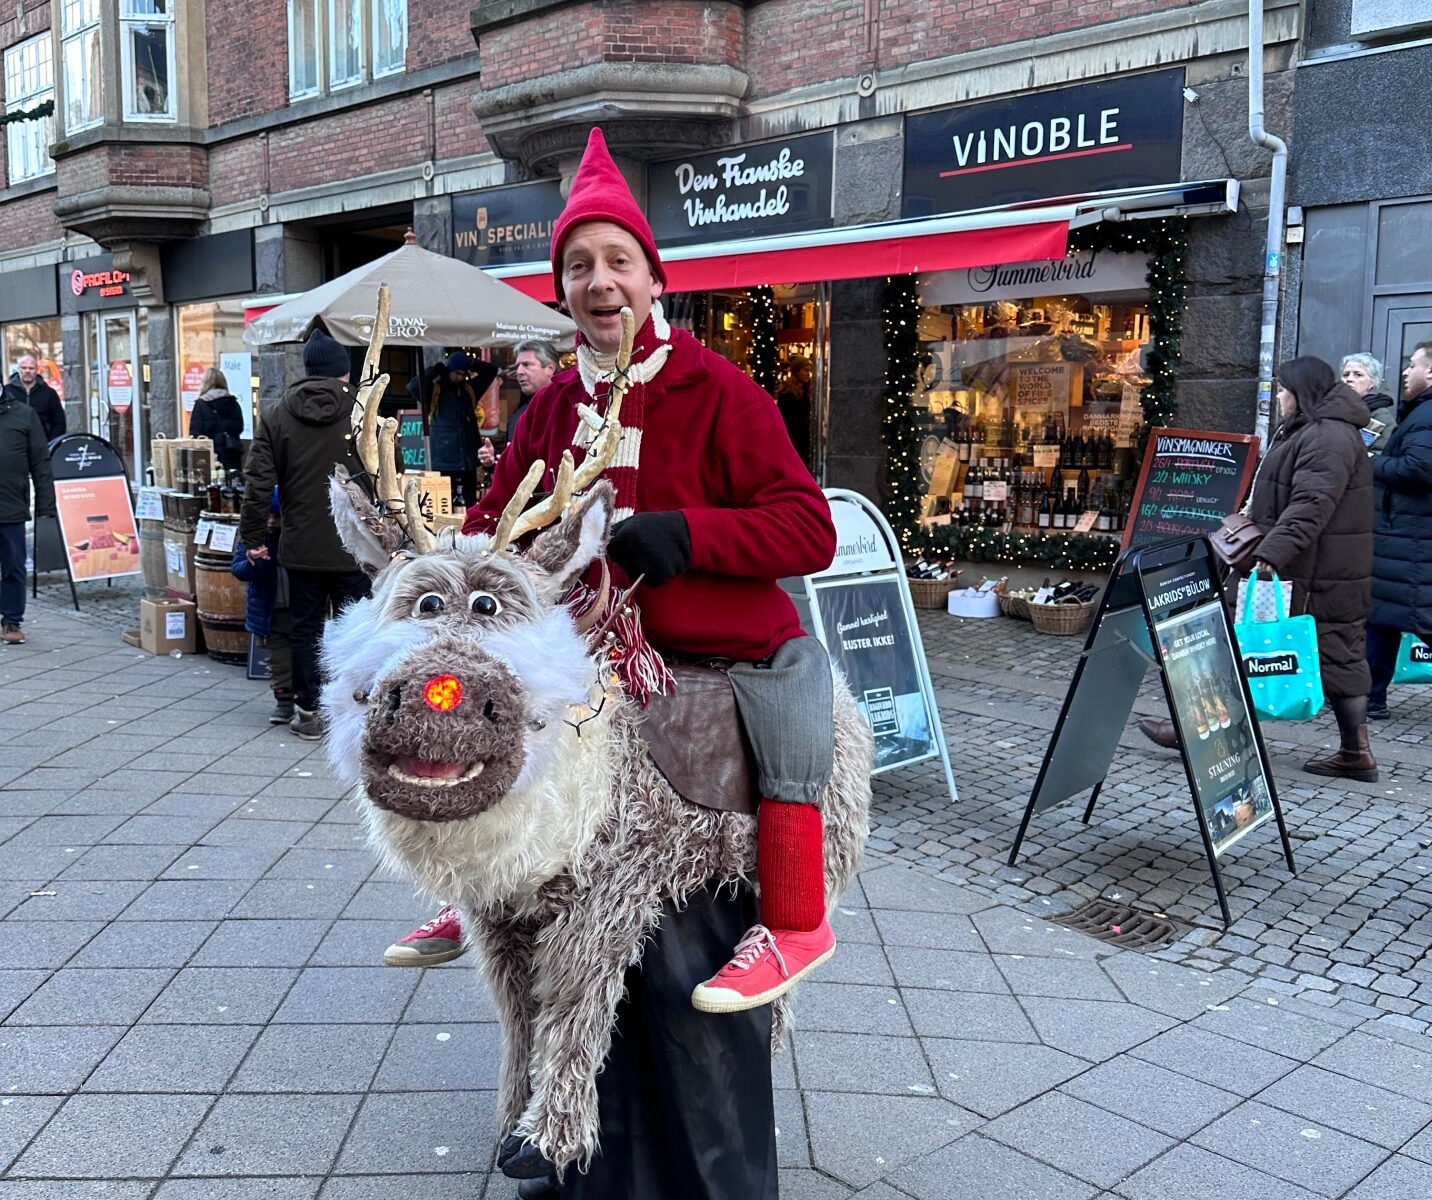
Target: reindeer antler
[(514, 523), (377, 441)]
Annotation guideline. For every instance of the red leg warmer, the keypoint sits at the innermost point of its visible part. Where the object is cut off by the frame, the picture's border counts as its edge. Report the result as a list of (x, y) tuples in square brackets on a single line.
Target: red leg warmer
[(790, 864)]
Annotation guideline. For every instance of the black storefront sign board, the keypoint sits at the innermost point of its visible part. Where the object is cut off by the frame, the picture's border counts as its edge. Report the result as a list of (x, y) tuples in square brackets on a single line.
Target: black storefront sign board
[(504, 225), (202, 268), (1191, 479), (28, 294), (748, 191), (93, 284), (1095, 137), (1164, 609)]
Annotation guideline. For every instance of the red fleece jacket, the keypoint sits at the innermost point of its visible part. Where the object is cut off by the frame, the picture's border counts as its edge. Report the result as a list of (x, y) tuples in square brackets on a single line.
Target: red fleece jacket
[(714, 447)]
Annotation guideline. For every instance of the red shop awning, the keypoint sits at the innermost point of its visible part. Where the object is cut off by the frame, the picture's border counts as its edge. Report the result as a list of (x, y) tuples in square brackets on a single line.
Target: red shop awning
[(854, 256), (1029, 232)]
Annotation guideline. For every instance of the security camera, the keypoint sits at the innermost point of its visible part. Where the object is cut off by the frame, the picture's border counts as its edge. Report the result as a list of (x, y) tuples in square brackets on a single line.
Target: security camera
[(1190, 95)]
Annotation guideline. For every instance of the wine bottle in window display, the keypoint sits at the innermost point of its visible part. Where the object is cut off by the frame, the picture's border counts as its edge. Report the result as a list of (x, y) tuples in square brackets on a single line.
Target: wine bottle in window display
[(1046, 511)]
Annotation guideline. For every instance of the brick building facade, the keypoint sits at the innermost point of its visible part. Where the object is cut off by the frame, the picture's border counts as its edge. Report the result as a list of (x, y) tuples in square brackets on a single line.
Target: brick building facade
[(224, 153)]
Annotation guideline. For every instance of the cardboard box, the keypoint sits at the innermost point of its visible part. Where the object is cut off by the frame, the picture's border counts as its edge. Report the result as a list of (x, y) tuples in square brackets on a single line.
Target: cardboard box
[(179, 552), (434, 495), (168, 625)]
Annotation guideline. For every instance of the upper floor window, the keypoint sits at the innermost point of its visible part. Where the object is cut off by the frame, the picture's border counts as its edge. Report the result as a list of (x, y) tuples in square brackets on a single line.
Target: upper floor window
[(29, 81), (79, 50), (335, 44), (146, 59)]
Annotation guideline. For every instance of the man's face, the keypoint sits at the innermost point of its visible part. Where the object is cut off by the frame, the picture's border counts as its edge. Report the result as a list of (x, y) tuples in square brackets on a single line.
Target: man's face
[(532, 373), (1418, 376), (28, 368), (603, 270)]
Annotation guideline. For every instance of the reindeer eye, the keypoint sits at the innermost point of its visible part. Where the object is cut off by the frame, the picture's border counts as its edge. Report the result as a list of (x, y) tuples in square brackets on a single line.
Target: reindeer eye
[(429, 605), (484, 604)]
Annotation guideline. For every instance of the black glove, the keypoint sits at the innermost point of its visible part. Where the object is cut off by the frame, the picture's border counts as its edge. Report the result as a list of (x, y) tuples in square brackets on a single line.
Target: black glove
[(654, 544)]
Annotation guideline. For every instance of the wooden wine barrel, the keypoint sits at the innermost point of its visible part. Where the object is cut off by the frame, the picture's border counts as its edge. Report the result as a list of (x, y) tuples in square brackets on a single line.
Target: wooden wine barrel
[(151, 557), (221, 599)]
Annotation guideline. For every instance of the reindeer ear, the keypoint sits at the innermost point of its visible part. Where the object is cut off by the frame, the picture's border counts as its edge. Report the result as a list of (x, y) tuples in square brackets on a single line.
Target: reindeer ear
[(569, 547), (361, 527)]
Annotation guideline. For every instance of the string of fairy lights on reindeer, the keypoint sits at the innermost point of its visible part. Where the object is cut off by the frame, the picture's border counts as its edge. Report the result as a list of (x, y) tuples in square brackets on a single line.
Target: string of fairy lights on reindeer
[(375, 441)]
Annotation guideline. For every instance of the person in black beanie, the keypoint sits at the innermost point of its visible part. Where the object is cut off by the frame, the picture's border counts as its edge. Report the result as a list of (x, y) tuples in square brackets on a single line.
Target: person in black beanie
[(300, 440), (450, 395)]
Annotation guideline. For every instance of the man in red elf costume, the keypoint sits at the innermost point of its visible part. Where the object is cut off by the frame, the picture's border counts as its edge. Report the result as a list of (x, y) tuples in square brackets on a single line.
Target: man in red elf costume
[(713, 506)]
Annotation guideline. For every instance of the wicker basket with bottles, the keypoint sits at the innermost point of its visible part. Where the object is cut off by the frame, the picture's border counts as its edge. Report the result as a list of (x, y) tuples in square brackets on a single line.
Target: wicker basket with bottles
[(1063, 618), (931, 582)]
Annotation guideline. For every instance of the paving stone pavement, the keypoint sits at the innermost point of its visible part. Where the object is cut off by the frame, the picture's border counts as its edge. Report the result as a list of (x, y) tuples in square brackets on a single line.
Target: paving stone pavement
[(191, 1007)]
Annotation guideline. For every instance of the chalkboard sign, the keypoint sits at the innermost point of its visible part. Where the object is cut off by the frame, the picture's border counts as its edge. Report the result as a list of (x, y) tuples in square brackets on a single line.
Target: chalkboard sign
[(860, 609), (870, 638), (1190, 481), (1163, 609), (1208, 704), (411, 447)]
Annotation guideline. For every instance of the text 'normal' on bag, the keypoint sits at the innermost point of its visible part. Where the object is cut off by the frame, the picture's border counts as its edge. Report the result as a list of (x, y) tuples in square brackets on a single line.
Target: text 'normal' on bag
[(1280, 660), (1414, 661)]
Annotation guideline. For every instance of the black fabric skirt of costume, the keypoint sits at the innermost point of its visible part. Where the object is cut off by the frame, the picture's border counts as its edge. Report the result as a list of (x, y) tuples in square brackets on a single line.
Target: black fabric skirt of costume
[(685, 1097)]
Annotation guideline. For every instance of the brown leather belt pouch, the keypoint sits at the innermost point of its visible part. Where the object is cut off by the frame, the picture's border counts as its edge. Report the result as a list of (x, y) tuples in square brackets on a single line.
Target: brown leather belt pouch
[(698, 742)]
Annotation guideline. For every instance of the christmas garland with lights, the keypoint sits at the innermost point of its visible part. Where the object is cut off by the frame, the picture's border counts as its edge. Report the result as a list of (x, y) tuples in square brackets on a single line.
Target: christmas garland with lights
[(1165, 241), (763, 360)]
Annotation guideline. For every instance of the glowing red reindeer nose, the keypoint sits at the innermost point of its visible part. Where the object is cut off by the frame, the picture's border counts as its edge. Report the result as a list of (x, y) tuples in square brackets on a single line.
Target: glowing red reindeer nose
[(443, 692)]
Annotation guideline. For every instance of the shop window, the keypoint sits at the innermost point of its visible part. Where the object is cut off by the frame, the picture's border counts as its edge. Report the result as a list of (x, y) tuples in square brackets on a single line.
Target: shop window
[(41, 339), (29, 81), (146, 59), (1031, 404), (80, 51), (336, 44), (212, 335)]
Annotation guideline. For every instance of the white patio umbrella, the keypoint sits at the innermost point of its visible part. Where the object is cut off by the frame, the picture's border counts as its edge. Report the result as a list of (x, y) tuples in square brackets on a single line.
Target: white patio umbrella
[(436, 301)]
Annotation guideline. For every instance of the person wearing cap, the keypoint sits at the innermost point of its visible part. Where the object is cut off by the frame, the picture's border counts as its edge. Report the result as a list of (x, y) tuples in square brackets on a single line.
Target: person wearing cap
[(299, 442), (450, 395), (793, 399), (713, 506)]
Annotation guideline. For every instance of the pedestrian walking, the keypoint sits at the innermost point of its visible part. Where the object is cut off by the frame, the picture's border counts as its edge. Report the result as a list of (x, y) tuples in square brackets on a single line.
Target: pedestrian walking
[(1364, 375), (219, 417), (24, 457), (450, 395), (267, 615), (299, 442), (1312, 499), (30, 386), (1402, 564)]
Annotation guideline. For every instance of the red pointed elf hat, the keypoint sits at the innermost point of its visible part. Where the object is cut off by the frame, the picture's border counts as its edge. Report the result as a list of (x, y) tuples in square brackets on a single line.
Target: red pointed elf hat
[(600, 193)]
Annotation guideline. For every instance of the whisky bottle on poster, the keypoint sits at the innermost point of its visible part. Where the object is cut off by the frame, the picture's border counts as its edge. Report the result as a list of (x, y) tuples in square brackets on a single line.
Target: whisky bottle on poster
[(1200, 719)]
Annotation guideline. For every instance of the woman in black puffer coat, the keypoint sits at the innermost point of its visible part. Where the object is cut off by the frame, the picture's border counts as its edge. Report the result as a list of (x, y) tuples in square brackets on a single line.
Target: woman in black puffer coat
[(1313, 499)]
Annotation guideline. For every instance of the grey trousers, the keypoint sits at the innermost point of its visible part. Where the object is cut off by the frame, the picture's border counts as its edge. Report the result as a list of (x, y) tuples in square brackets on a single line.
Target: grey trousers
[(787, 704)]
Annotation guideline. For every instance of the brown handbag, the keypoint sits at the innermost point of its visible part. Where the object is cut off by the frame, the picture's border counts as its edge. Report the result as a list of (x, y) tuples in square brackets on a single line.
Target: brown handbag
[(1236, 542)]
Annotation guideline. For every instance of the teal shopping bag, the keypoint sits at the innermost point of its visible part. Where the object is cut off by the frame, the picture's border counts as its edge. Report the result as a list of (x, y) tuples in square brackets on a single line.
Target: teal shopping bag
[(1414, 661), (1280, 660)]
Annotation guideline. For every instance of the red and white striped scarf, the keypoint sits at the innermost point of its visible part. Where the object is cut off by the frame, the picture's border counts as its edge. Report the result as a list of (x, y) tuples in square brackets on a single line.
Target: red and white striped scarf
[(650, 349)]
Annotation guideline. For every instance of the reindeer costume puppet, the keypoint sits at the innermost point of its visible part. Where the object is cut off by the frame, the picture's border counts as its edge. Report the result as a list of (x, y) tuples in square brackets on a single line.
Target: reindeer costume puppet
[(489, 703)]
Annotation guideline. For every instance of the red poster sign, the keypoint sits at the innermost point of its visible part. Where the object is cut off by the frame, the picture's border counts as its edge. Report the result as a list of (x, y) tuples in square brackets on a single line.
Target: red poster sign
[(121, 386), (97, 523)]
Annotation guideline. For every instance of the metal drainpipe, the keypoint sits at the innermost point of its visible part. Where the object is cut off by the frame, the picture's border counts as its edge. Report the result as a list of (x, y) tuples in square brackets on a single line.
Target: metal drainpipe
[(1277, 188)]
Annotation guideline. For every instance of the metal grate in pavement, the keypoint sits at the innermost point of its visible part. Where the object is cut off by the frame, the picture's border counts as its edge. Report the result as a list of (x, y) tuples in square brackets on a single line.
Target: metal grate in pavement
[(1121, 925)]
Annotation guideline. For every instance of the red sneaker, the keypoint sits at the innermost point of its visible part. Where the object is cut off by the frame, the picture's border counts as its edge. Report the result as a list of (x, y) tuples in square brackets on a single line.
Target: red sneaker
[(439, 941), (766, 965)]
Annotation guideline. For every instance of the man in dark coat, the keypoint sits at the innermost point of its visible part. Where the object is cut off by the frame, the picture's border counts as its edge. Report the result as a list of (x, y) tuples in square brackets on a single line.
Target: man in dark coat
[(1313, 499), (300, 441), (1402, 567), (23, 457), (451, 398), (29, 385)]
